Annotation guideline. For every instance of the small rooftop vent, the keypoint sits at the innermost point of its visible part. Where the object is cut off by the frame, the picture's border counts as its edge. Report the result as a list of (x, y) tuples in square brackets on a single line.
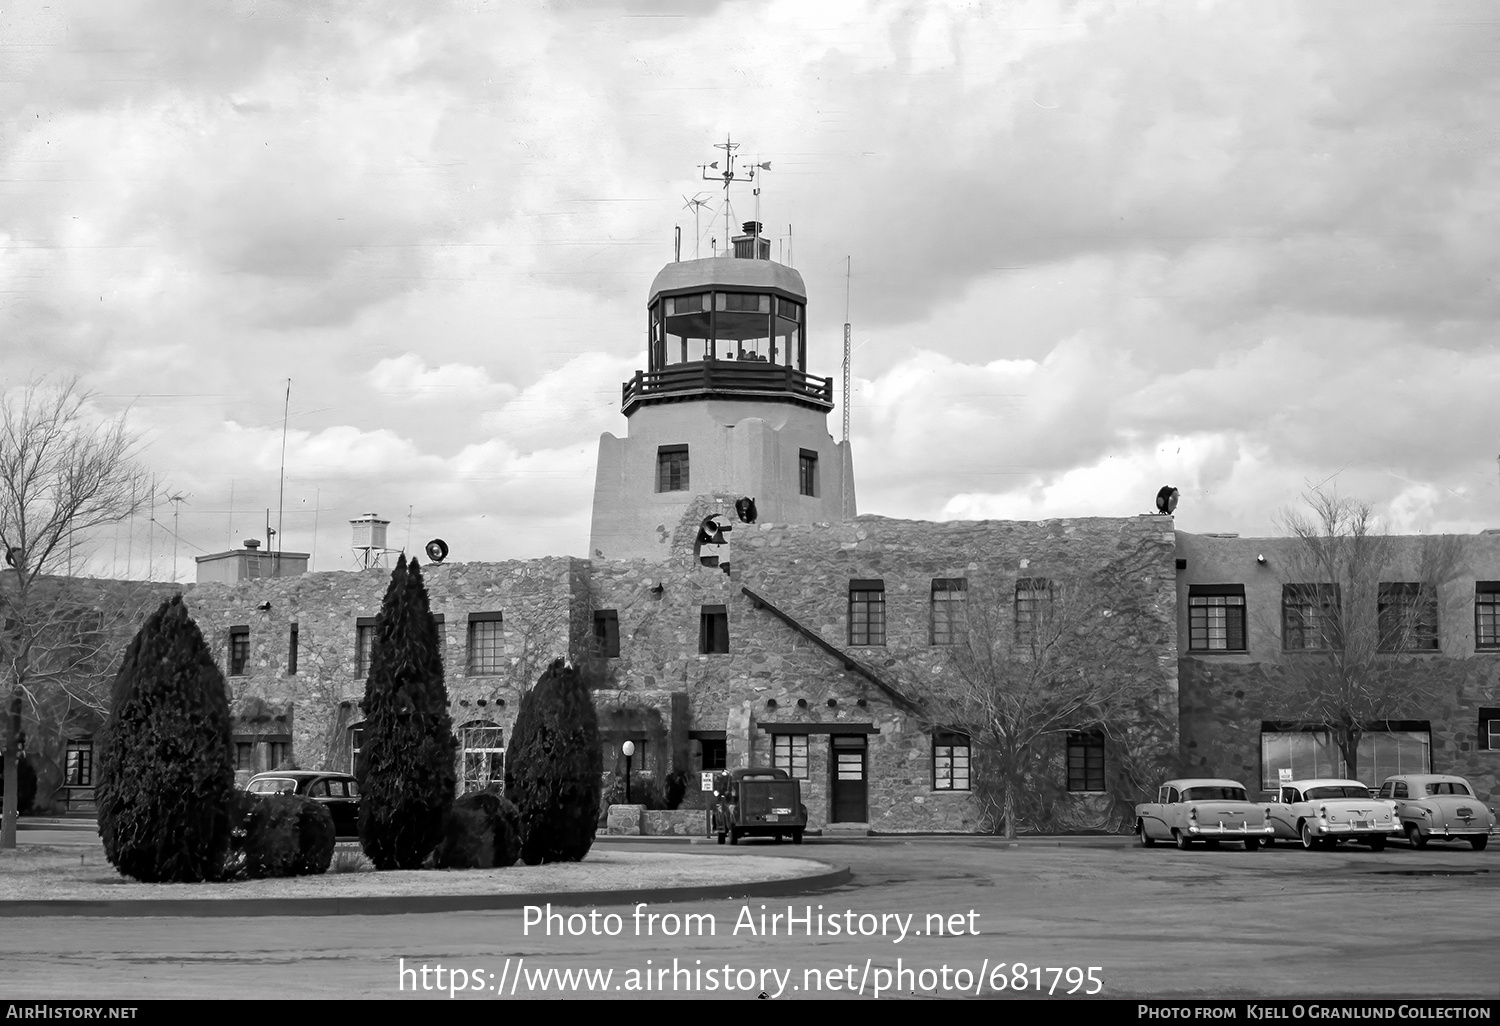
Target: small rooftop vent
[(750, 246), (252, 543)]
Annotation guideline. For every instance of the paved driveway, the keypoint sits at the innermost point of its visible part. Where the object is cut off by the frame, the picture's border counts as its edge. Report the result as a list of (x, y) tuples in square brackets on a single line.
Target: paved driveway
[(1149, 923)]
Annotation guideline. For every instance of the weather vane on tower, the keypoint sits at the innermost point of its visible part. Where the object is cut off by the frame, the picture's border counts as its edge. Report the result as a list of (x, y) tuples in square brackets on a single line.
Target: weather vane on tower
[(729, 176)]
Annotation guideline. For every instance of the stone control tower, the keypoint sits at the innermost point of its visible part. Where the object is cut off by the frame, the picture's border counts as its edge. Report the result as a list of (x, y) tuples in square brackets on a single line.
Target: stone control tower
[(724, 406)]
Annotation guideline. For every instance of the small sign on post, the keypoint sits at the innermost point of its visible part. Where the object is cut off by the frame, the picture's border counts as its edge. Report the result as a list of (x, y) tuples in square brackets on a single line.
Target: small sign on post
[(1284, 775), (708, 780)]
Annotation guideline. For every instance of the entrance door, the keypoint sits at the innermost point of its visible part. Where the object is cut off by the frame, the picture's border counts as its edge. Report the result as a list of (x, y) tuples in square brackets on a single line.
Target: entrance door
[(849, 789)]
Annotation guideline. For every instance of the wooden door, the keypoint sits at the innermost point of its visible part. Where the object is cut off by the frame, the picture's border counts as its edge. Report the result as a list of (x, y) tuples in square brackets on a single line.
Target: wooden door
[(850, 791)]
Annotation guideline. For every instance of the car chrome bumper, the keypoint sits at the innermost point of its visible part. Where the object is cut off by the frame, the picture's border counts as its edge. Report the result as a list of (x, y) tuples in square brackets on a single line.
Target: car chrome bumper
[(1224, 831), (1344, 830)]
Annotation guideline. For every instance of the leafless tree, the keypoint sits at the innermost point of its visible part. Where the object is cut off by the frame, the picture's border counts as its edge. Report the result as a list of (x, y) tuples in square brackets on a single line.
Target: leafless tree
[(1030, 665), (1350, 639), (63, 476)]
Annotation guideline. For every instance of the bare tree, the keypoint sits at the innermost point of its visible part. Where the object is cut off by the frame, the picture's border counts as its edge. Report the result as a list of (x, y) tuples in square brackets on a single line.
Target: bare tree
[(1029, 666), (1349, 638), (63, 476)]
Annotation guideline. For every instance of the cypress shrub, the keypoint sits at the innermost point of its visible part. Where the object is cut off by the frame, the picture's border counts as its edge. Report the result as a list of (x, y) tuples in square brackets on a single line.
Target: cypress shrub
[(165, 772), (483, 831), (288, 835), (406, 768), (553, 768)]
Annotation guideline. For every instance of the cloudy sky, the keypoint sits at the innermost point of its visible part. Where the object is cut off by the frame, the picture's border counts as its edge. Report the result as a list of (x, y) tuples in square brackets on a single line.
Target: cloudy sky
[(1092, 248)]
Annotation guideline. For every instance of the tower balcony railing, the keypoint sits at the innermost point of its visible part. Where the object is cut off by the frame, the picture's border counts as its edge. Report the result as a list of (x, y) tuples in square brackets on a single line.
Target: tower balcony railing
[(726, 379)]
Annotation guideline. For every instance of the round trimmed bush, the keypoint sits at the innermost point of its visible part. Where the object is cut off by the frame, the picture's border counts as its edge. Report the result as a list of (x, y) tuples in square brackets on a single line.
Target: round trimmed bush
[(165, 772), (288, 835), (482, 831)]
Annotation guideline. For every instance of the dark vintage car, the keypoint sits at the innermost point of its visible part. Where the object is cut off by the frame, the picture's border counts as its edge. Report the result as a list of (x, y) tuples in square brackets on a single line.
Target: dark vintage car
[(759, 802), (337, 792)]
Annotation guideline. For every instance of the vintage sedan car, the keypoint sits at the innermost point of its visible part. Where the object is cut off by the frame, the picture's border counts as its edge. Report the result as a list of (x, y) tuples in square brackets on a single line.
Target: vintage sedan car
[(337, 792), (759, 801), (1432, 807), (1201, 809), (1321, 813)]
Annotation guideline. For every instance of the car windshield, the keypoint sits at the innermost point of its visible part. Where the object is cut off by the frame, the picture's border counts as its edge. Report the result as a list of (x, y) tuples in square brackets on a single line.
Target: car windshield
[(1448, 787), (1338, 791), (1214, 793), (272, 785)]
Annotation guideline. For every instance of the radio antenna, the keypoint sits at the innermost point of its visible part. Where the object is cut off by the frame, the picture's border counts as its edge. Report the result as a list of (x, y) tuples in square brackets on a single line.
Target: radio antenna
[(697, 203), (844, 491), (281, 494)]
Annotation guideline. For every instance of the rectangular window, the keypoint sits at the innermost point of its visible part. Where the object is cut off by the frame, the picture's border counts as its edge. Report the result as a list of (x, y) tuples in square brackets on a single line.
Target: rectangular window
[(364, 644), (807, 472), (239, 650), (481, 755), (79, 770), (1310, 617), (789, 752), (671, 468), (278, 754), (949, 597), (1313, 753), (486, 642), (1216, 618), (1489, 728), (950, 761), (1487, 614), (244, 756), (866, 612), (1033, 610), (713, 630), (1407, 617), (713, 754), (1086, 760), (291, 652), (607, 632)]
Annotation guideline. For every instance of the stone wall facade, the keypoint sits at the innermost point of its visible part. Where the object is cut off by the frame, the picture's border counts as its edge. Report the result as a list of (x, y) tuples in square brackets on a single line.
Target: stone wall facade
[(774, 679), (1225, 702)]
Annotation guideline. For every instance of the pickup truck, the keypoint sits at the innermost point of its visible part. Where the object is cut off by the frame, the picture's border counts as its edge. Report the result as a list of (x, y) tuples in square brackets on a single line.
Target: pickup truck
[(761, 802)]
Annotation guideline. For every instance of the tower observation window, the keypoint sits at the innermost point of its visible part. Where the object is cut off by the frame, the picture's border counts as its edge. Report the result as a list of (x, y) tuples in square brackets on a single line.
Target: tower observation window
[(754, 327)]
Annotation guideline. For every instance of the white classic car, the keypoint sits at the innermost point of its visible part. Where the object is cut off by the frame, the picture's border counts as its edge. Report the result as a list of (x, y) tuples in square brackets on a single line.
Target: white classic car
[(1201, 809), (1321, 813), (1432, 807)]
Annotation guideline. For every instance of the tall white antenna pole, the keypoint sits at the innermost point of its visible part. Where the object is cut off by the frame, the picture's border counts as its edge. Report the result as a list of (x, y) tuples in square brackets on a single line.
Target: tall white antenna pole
[(281, 493), (317, 501), (844, 491)]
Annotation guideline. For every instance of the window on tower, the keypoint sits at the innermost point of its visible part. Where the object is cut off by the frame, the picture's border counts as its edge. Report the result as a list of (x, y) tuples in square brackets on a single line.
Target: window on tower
[(672, 468), (754, 327)]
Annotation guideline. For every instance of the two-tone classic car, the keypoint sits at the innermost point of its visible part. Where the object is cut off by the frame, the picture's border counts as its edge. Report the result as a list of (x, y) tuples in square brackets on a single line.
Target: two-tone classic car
[(1201, 809), (337, 792), (1433, 807), (1320, 813)]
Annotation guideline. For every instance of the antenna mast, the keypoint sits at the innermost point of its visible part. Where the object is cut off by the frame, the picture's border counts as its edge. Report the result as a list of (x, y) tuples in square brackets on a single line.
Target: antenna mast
[(697, 203), (729, 176), (176, 500), (844, 491), (281, 493)]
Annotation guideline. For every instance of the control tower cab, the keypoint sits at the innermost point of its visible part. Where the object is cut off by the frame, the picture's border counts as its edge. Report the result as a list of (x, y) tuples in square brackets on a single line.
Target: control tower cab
[(724, 406)]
